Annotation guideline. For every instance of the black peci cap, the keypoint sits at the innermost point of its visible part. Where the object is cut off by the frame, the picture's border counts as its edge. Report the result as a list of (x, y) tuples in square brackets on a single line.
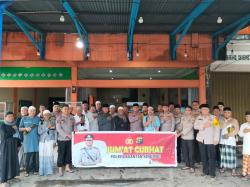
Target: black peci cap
[(56, 103), (135, 104), (177, 106), (204, 106), (247, 113), (220, 103), (85, 102), (105, 106), (8, 113), (215, 107), (227, 109)]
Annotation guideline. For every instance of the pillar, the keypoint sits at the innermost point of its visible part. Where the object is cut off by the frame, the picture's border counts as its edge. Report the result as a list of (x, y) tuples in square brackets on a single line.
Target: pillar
[(202, 85), (179, 96), (14, 99), (73, 96)]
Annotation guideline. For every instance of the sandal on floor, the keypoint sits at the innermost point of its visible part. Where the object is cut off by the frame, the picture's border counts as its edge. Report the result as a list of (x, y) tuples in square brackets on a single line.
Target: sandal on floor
[(69, 171)]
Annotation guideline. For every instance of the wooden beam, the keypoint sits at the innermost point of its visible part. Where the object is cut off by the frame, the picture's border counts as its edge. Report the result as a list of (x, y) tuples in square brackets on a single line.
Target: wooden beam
[(138, 64), (15, 101), (73, 96), (179, 96), (138, 83), (202, 85), (35, 63), (35, 83), (104, 64)]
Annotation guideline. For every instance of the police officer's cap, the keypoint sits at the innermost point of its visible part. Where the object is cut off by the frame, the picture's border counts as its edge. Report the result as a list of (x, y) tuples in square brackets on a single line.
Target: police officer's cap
[(227, 109), (89, 137), (204, 106)]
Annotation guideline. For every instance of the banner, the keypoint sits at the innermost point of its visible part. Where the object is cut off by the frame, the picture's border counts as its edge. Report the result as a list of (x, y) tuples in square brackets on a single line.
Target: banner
[(124, 149)]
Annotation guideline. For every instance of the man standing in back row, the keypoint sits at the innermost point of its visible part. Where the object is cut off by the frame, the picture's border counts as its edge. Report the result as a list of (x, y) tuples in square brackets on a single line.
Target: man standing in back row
[(104, 119), (195, 114)]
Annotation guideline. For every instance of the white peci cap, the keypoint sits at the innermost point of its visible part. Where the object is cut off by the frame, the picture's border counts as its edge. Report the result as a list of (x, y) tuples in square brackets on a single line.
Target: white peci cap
[(120, 108), (112, 106), (46, 112)]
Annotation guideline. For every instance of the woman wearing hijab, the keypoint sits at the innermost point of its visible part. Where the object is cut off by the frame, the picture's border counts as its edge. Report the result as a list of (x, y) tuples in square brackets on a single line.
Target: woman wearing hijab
[(9, 166)]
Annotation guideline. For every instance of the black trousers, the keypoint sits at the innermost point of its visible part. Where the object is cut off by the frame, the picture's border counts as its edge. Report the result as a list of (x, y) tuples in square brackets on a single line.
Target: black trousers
[(208, 158), (179, 150), (64, 153), (197, 155), (217, 151), (32, 162), (188, 152)]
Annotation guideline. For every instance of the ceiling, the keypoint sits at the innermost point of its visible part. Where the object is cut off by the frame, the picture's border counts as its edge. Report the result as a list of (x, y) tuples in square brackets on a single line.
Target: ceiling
[(137, 74), (112, 16)]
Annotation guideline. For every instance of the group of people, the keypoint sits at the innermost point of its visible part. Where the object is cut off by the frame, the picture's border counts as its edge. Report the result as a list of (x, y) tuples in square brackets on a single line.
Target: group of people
[(205, 136)]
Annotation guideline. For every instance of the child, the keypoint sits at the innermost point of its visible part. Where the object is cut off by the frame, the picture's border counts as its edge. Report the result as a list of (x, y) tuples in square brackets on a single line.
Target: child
[(245, 133)]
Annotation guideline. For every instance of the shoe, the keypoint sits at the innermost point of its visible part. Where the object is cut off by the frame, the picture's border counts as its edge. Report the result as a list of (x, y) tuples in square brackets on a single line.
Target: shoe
[(35, 173), (185, 168)]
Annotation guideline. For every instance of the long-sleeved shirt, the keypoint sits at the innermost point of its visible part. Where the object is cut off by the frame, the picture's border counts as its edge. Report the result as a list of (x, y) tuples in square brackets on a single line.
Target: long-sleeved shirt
[(187, 127), (152, 126), (93, 123), (119, 124), (210, 135), (45, 133), (135, 120), (227, 126), (84, 126), (104, 121), (196, 113), (167, 122), (31, 139), (64, 127), (246, 138), (177, 118)]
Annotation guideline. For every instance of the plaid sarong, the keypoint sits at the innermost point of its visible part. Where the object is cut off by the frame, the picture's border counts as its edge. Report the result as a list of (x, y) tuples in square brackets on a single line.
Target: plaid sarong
[(228, 156)]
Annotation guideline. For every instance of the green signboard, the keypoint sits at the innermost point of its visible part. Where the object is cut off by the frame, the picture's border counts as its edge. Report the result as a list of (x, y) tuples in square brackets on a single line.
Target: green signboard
[(35, 73)]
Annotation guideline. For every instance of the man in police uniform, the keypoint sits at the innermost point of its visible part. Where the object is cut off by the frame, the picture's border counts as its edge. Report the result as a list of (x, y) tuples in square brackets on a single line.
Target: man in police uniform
[(89, 155)]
